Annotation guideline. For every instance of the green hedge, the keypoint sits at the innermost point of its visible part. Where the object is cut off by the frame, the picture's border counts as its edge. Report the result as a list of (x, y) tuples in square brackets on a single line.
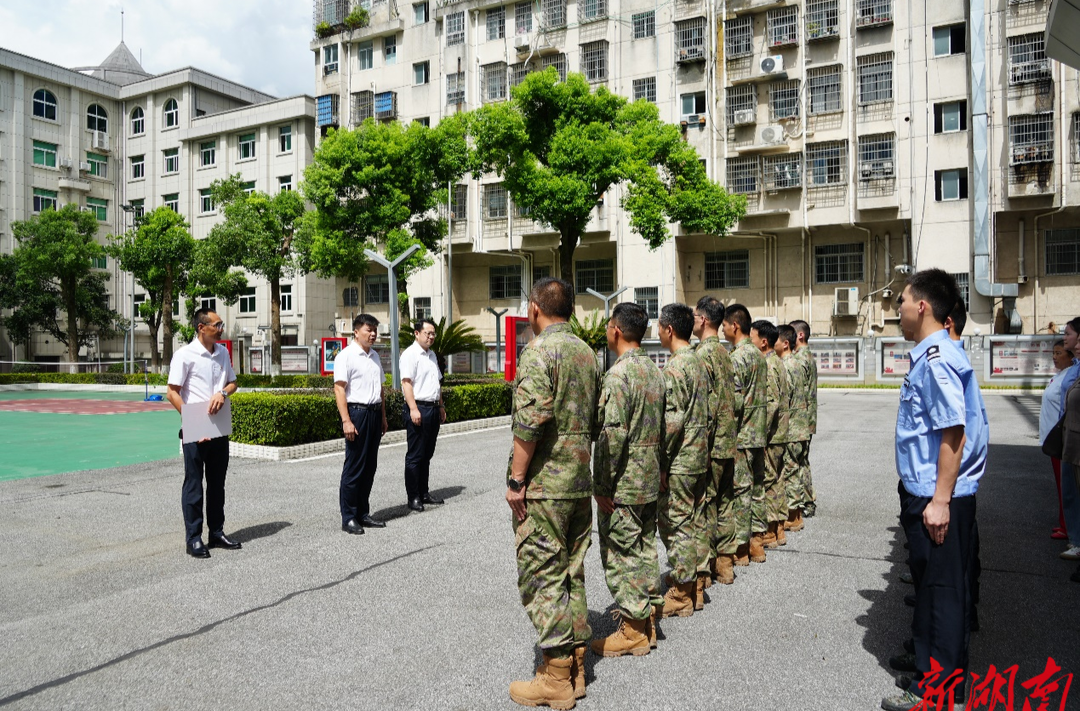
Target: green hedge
[(473, 402), (83, 378)]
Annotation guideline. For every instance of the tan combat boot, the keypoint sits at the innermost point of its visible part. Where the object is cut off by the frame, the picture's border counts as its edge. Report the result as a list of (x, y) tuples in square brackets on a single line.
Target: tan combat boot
[(577, 672), (632, 637), (781, 536), (795, 520), (699, 590), (757, 548), (771, 536), (679, 600), (725, 569), (550, 687), (708, 576), (742, 554), (654, 623)]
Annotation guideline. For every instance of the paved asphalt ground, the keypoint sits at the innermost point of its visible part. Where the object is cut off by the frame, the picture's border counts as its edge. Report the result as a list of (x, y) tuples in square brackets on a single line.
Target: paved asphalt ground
[(100, 608)]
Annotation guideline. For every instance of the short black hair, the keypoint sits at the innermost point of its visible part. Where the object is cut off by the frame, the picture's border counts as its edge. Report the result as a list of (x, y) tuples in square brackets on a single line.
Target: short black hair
[(365, 320), (201, 318), (1074, 324), (802, 328), (554, 297), (938, 288), (959, 317), (631, 319), (418, 325), (711, 308), (767, 330), (786, 333), (740, 316), (1059, 342), (681, 319)]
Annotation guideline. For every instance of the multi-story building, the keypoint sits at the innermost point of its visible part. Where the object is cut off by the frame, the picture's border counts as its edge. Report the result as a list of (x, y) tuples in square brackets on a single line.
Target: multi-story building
[(866, 135), (122, 142)]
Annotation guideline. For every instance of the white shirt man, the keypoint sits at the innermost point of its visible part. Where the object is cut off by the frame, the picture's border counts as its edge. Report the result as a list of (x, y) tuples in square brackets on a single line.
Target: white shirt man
[(423, 413)]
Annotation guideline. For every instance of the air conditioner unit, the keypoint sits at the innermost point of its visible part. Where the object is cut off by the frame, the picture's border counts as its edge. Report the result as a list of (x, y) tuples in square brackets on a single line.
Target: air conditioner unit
[(744, 117), (772, 65), (384, 329), (344, 327), (886, 168), (866, 169), (846, 302), (66, 163), (100, 141), (259, 339), (84, 167), (521, 43), (771, 135)]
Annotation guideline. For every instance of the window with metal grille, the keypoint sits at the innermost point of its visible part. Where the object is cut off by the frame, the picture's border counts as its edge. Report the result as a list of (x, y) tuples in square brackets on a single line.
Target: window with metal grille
[(782, 26), (363, 106), (877, 156), (644, 24), (541, 273), (553, 13), (1062, 251), (727, 270), (504, 282), (823, 90), (350, 296), (950, 116), (782, 171), (1031, 139), (555, 60), (739, 37), (326, 110), (690, 40), (826, 163), (496, 23), (458, 202), (494, 81), (594, 60), (822, 19), (875, 77), (591, 9), (376, 289), (595, 274), (455, 28), (784, 99), (1076, 137), (518, 72), (455, 88), (836, 263), (744, 175), (963, 282), (1027, 59), (523, 12), (495, 201), (648, 298), (741, 104), (421, 307), (645, 89), (386, 105), (869, 13)]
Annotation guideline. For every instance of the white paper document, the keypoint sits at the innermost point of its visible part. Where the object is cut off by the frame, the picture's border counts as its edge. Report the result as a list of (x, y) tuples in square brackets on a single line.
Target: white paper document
[(198, 424)]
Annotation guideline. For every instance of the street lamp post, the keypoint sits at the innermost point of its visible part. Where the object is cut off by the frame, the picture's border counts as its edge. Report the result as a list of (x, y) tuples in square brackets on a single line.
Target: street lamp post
[(390, 266), (498, 335), (607, 312)]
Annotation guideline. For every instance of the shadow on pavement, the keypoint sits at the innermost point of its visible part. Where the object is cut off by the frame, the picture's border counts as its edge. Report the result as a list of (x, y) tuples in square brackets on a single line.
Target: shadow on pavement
[(392, 512), (261, 530)]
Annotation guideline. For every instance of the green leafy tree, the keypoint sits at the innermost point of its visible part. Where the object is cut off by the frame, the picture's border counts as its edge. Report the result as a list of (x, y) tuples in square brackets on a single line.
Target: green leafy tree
[(593, 331), (380, 184), (458, 337), (52, 273), (258, 233), (559, 147), (159, 252)]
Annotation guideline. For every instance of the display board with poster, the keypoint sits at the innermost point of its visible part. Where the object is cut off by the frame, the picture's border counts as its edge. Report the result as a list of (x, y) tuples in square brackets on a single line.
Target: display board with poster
[(255, 360), (894, 357), (329, 349), (294, 359), (1021, 356), (836, 358)]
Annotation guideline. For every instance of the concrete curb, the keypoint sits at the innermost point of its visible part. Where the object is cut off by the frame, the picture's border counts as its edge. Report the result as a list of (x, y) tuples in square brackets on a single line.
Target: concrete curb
[(315, 449)]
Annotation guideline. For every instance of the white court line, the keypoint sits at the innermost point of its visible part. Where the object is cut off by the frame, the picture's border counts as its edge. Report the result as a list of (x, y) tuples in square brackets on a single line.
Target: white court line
[(395, 444)]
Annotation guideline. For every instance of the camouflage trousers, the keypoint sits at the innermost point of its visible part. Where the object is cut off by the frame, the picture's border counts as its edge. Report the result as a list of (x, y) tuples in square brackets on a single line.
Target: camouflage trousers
[(809, 497), (715, 516), (679, 520), (794, 455), (551, 544), (752, 464), (776, 506), (733, 513), (628, 553)]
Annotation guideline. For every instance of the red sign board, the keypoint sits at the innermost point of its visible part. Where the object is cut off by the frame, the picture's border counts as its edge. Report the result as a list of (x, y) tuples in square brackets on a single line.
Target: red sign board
[(329, 350), (518, 335), (228, 347)]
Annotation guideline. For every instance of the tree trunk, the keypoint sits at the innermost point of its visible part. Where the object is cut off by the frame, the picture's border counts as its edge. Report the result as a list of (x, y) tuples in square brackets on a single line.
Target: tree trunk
[(166, 319), (275, 326), (154, 324), (567, 246), (70, 304)]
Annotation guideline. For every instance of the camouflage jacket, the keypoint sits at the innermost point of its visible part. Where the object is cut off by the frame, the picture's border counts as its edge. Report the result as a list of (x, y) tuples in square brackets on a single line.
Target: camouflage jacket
[(751, 387), (723, 428), (809, 363), (779, 404), (626, 459), (799, 422), (686, 414), (555, 392)]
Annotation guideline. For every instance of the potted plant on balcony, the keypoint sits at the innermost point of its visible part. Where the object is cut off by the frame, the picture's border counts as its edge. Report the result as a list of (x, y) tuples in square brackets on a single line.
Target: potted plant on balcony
[(357, 18)]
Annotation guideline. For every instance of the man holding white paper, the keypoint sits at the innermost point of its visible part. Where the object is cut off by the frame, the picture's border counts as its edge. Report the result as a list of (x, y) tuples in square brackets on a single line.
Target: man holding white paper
[(201, 378)]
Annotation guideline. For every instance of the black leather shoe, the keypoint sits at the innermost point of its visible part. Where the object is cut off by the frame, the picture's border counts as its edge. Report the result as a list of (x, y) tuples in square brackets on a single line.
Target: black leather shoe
[(909, 600), (429, 499), (196, 549), (351, 526), (220, 540), (416, 505), (369, 522)]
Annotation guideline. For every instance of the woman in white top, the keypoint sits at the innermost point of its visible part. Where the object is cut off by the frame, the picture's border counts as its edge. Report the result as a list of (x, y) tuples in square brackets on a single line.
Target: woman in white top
[(1049, 414)]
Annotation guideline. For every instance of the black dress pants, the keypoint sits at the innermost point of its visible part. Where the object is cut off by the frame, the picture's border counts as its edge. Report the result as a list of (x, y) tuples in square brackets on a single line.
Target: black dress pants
[(212, 459), (943, 576), (361, 459), (421, 447)]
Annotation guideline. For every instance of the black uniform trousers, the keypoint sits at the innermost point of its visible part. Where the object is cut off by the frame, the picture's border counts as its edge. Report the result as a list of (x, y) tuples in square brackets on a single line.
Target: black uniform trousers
[(212, 459), (361, 459), (943, 579), (421, 447)]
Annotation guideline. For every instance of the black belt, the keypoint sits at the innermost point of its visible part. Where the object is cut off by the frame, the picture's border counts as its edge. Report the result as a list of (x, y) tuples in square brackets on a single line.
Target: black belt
[(362, 406), (428, 403)]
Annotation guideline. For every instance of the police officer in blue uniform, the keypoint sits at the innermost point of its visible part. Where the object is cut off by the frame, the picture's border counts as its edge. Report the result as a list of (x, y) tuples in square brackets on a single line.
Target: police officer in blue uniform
[(941, 443)]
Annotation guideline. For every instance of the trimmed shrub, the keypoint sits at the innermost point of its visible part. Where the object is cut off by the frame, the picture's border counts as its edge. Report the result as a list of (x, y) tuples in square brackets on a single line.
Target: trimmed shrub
[(25, 368), (474, 402)]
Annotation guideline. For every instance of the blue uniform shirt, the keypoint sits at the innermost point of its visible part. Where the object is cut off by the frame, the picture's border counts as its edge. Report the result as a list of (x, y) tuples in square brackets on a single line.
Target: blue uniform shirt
[(940, 391)]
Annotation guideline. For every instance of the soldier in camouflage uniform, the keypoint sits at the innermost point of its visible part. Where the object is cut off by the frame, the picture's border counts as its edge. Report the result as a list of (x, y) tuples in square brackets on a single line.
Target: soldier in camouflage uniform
[(745, 537), (809, 366), (626, 481), (723, 429), (685, 458), (549, 490), (798, 426), (764, 335)]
